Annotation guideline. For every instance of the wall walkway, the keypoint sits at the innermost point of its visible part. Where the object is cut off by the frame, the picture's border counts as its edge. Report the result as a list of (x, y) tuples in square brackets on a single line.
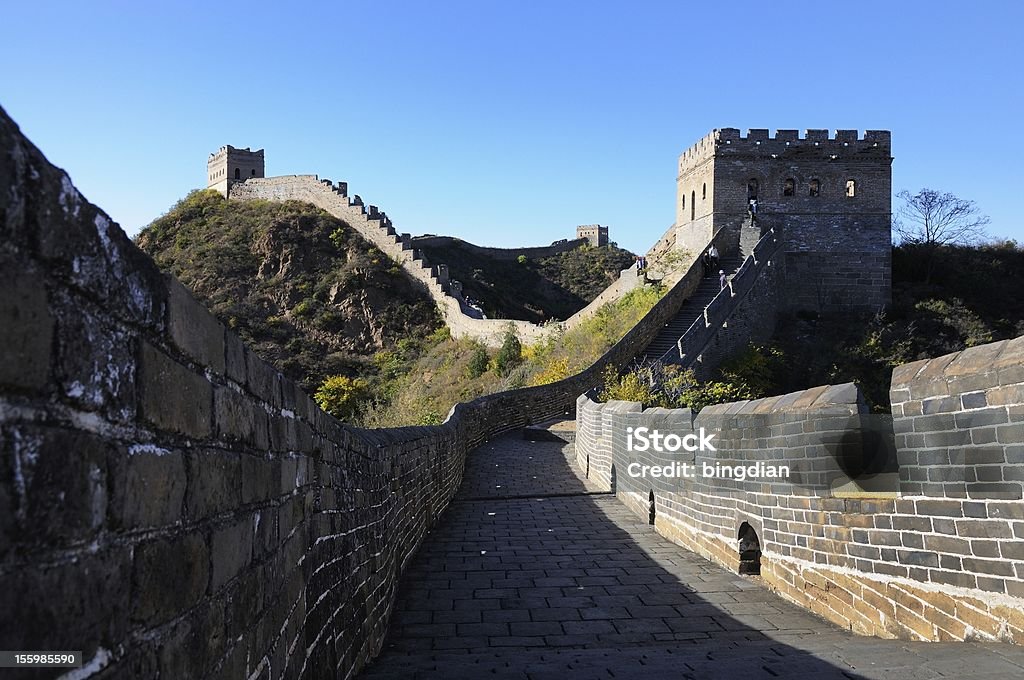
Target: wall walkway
[(934, 551)]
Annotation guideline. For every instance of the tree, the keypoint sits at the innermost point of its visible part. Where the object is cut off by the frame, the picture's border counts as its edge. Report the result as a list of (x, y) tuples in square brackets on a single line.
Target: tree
[(510, 355), (342, 396), (935, 218), (478, 361), (931, 219)]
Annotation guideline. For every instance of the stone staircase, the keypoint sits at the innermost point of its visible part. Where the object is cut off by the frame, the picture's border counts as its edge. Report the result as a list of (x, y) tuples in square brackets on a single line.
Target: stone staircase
[(691, 310)]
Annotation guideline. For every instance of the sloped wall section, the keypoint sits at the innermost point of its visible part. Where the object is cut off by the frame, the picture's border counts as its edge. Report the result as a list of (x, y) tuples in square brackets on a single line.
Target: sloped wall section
[(375, 226)]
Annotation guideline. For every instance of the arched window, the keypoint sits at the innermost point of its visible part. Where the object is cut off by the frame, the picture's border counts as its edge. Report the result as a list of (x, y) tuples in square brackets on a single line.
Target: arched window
[(693, 205), (752, 188), (254, 172), (851, 188), (789, 188), (815, 187), (684, 202), (238, 173), (704, 192)]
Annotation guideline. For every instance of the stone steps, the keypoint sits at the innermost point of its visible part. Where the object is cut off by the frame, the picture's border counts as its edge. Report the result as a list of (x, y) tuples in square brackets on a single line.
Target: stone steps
[(691, 310)]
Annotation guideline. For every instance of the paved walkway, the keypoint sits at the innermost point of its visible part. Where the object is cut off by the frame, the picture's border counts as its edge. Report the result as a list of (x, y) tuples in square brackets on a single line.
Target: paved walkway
[(532, 573)]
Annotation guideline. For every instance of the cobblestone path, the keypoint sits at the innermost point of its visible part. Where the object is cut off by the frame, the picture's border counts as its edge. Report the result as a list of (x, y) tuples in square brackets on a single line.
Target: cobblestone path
[(532, 573)]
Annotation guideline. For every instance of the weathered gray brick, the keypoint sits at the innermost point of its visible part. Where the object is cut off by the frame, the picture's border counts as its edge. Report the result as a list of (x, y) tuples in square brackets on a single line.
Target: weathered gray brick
[(194, 330), (171, 396)]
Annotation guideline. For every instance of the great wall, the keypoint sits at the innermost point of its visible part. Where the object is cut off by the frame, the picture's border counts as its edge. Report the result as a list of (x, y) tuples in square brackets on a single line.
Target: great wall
[(178, 509), (374, 225)]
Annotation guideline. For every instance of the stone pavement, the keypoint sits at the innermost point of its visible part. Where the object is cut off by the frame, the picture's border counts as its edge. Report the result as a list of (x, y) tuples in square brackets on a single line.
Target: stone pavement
[(533, 573)]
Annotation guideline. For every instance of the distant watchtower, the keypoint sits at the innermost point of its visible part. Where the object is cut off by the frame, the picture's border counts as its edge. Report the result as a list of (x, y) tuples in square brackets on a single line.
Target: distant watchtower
[(595, 233), (229, 165), (829, 196)]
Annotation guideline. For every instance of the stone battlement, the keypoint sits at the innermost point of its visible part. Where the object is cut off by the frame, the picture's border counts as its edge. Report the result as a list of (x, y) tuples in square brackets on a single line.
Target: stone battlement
[(758, 140)]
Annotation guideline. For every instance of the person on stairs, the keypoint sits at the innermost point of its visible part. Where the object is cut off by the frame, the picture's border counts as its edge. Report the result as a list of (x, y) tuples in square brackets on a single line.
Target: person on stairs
[(713, 254), (722, 278)]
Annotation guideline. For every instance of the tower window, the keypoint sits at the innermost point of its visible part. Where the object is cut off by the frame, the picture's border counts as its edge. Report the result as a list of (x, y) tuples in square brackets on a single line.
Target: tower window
[(684, 202), (693, 205), (238, 173), (851, 188), (789, 188), (815, 187), (752, 188), (254, 172), (704, 191)]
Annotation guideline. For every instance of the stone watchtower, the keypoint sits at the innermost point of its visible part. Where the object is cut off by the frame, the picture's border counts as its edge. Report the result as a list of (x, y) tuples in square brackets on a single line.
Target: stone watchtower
[(830, 197), (595, 233), (229, 165)]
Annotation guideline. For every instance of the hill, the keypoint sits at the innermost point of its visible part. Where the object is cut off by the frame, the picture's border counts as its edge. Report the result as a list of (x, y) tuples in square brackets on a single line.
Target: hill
[(300, 287), (534, 289)]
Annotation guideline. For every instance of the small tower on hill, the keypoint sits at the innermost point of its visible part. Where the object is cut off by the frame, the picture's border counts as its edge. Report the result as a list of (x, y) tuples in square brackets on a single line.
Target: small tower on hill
[(228, 165), (595, 233)]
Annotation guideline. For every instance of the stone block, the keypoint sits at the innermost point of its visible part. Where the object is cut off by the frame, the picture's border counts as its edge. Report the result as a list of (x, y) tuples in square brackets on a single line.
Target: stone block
[(1010, 434), (172, 397), (169, 576), (214, 483), (194, 330), (95, 362), (59, 493), (26, 329), (901, 375), (259, 475), (235, 416), (195, 644), (85, 600), (263, 380), (234, 358), (230, 552), (147, 487)]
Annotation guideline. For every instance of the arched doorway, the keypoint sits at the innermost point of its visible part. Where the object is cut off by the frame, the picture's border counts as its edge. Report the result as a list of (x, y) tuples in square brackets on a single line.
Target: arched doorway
[(750, 551)]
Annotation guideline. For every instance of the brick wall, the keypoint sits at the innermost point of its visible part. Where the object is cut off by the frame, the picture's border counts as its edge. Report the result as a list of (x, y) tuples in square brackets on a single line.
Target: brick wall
[(882, 554), (959, 423)]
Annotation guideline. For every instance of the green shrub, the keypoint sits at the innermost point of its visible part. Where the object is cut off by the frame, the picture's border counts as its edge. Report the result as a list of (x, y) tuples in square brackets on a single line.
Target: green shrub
[(510, 355), (478, 362), (341, 396), (632, 386), (305, 308)]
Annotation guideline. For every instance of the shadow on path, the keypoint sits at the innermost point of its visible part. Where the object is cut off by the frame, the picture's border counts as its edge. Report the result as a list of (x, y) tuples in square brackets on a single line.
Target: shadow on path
[(533, 573)]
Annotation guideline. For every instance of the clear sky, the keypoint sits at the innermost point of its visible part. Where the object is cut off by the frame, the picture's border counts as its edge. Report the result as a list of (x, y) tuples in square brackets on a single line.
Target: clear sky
[(508, 123)]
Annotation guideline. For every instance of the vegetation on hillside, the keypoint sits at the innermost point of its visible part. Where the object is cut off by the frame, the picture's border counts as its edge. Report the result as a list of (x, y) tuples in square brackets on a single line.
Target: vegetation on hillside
[(300, 287), (536, 290), (421, 389)]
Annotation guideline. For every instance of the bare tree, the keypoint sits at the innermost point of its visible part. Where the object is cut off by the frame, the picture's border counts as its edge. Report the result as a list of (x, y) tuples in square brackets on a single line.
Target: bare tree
[(934, 218), (931, 219)]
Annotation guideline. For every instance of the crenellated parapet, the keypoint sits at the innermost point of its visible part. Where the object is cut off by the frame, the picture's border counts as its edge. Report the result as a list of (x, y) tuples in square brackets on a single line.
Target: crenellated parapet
[(819, 143)]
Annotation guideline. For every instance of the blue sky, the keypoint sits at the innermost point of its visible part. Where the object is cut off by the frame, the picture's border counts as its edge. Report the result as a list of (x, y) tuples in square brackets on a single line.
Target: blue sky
[(508, 123)]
